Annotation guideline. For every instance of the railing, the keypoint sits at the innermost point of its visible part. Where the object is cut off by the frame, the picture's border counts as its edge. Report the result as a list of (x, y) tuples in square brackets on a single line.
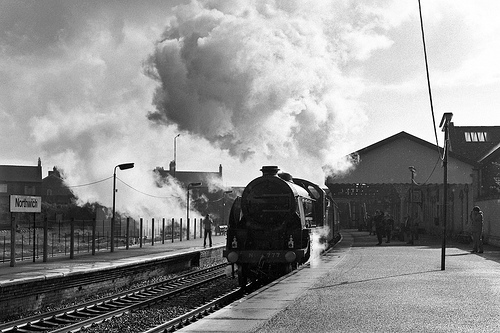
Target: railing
[(69, 237)]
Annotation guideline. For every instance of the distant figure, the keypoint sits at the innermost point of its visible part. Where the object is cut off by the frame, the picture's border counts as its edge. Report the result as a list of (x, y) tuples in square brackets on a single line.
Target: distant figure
[(389, 226), (476, 217), (379, 225), (369, 224), (207, 225), (408, 229)]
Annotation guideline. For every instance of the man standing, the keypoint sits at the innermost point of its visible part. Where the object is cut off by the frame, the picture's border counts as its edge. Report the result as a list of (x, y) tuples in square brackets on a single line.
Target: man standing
[(207, 225), (476, 217), (379, 225)]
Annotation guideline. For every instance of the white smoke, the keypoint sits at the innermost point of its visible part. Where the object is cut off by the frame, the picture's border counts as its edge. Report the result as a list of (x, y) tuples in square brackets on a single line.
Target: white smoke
[(265, 79), (252, 82), (318, 244)]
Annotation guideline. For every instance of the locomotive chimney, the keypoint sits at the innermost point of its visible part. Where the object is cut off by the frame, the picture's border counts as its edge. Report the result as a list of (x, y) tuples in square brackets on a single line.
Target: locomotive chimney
[(269, 170)]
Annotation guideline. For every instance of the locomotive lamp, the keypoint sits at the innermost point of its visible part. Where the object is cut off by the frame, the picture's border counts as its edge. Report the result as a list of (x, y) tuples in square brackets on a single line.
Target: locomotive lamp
[(190, 185), (124, 166)]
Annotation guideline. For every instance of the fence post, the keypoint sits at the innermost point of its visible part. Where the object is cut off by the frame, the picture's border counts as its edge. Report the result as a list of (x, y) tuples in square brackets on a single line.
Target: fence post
[(153, 231), (163, 232), (140, 233), (173, 229), (180, 231), (34, 237), (13, 240), (72, 239), (194, 232), (127, 233), (45, 238), (94, 223)]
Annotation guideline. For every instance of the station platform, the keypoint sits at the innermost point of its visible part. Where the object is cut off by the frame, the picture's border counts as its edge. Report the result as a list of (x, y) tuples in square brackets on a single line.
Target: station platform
[(29, 271), (360, 287)]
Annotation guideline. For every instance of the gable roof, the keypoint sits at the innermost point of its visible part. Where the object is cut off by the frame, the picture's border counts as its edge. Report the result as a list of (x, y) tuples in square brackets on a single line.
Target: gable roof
[(388, 162), (404, 135), (474, 150)]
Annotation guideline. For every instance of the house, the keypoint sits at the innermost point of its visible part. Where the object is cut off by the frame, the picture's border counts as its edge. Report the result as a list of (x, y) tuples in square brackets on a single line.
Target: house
[(54, 191), (20, 180), (206, 192), (481, 145), (402, 175)]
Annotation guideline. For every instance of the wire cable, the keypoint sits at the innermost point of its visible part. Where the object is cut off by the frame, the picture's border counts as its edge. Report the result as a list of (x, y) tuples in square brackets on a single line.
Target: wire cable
[(441, 157), (427, 73), (149, 195), (96, 182)]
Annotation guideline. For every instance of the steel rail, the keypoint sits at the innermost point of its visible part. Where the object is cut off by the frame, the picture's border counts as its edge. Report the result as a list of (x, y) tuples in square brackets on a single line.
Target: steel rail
[(111, 306)]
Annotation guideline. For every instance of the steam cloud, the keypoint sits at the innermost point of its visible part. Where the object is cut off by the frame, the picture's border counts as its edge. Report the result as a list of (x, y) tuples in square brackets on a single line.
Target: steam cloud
[(264, 77), (253, 81)]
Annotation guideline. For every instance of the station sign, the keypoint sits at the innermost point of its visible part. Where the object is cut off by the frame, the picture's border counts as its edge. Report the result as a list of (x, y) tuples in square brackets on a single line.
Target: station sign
[(25, 204)]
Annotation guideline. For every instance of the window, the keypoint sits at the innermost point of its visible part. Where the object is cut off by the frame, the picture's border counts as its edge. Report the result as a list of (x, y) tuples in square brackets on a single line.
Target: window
[(29, 190), (3, 188), (476, 136)]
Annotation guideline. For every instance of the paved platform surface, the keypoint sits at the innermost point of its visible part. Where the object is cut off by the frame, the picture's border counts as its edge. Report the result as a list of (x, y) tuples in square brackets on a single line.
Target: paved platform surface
[(27, 270), (360, 287)]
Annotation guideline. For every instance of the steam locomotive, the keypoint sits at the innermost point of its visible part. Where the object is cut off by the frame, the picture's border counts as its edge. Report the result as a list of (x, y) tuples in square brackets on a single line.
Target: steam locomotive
[(271, 225)]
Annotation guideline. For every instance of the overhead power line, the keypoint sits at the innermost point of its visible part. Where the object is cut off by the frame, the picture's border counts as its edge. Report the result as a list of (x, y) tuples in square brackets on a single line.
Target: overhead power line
[(96, 182), (149, 195)]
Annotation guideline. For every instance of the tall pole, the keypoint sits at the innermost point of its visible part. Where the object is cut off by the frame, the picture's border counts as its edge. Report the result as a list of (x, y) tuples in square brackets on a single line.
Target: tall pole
[(445, 122), (190, 185), (122, 167), (445, 194), (113, 218), (187, 213), (412, 217)]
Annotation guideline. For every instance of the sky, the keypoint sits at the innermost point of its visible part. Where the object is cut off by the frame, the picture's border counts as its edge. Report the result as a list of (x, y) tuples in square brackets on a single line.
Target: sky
[(88, 85)]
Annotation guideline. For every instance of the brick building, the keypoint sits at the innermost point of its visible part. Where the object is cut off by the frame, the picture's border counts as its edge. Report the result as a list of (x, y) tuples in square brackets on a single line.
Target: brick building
[(20, 180)]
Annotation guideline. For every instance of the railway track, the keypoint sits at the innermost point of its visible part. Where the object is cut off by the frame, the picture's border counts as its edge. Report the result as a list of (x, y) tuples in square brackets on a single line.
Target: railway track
[(73, 319)]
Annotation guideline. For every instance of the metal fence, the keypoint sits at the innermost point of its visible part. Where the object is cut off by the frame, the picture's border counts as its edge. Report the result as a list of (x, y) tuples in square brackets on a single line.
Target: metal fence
[(50, 238)]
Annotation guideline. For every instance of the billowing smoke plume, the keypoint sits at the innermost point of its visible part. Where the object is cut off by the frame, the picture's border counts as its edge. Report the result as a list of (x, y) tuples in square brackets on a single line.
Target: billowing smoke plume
[(264, 77), (254, 81)]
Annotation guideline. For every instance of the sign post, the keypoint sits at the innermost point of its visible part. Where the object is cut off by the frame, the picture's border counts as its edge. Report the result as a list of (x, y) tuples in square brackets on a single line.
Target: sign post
[(22, 204)]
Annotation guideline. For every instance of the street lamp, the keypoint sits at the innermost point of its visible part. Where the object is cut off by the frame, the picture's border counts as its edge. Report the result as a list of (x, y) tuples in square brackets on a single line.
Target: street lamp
[(190, 185), (122, 167), (175, 153), (445, 122), (412, 222)]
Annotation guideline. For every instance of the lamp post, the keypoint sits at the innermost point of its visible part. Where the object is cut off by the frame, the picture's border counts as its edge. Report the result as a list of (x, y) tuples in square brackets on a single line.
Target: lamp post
[(445, 122), (413, 171), (190, 185), (175, 153), (122, 167)]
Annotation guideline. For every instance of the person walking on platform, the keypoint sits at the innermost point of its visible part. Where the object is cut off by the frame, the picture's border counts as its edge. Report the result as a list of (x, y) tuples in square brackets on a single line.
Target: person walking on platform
[(476, 217), (207, 226), (379, 225)]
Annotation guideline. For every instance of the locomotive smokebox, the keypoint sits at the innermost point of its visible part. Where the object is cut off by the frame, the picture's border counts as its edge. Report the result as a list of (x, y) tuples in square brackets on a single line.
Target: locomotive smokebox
[(269, 170)]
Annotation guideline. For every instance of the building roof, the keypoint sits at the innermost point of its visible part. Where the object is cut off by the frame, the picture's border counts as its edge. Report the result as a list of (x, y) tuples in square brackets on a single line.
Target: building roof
[(388, 162), (474, 142), (404, 135), (20, 173)]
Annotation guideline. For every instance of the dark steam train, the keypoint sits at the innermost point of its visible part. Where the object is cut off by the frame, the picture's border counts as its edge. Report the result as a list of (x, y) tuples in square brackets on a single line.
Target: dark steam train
[(271, 225)]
